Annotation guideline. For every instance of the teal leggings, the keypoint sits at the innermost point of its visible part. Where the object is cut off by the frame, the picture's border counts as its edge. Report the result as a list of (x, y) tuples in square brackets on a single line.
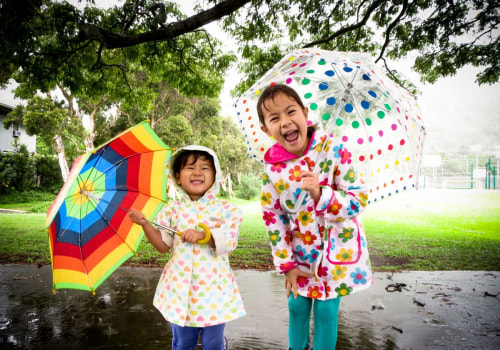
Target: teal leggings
[(325, 323)]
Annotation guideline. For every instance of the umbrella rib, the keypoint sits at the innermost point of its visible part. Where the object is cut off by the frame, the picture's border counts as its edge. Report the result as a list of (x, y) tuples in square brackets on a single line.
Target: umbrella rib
[(97, 199), (123, 159), (80, 244), (117, 164)]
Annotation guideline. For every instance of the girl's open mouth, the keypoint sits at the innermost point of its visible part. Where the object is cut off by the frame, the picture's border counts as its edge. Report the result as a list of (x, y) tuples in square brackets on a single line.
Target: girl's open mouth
[(291, 136)]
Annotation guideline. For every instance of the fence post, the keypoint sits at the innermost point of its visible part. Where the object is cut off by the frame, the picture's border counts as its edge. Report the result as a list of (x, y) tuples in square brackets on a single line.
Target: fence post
[(471, 176)]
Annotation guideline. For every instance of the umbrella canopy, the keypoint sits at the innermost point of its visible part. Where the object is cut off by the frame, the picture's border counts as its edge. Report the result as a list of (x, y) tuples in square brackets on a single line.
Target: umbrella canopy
[(90, 233), (348, 96)]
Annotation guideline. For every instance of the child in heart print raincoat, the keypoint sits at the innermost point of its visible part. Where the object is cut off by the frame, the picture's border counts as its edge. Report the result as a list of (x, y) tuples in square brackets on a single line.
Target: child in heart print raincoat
[(322, 248), (197, 292)]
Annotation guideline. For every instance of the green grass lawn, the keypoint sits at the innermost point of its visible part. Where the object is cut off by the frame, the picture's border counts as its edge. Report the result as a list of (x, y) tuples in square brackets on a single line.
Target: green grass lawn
[(417, 230), (437, 230)]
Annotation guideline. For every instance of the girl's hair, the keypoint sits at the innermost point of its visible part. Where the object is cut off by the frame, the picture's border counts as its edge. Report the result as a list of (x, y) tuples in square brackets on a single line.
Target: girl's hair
[(181, 161), (270, 93)]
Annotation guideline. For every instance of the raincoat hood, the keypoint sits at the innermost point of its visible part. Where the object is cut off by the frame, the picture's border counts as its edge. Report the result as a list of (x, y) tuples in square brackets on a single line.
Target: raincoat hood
[(214, 189)]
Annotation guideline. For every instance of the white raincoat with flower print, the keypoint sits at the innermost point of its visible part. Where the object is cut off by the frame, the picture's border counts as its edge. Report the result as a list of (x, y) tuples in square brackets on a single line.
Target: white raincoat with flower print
[(197, 287), (324, 238)]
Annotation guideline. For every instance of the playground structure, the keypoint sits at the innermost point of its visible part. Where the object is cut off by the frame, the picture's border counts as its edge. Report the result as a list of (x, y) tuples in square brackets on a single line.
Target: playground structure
[(459, 173)]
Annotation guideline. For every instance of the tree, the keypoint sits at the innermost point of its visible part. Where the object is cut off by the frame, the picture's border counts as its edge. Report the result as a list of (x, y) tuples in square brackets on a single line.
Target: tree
[(445, 35), (118, 56), (49, 121), (67, 46)]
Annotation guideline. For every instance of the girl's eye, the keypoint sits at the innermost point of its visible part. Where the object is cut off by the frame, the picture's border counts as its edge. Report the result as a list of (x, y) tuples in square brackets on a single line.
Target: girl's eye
[(292, 111)]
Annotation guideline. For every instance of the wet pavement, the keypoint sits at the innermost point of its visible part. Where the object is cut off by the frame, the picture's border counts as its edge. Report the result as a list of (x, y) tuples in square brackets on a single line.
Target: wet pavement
[(411, 310)]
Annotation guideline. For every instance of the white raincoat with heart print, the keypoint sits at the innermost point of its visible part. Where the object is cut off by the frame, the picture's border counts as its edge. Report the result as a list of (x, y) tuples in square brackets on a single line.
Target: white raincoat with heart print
[(197, 287)]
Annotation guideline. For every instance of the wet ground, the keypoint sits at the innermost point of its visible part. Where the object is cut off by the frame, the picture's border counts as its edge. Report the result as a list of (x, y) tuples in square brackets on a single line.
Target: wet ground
[(413, 310)]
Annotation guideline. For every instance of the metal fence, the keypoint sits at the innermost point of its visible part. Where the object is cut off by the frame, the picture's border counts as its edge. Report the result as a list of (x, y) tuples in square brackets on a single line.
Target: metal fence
[(460, 173)]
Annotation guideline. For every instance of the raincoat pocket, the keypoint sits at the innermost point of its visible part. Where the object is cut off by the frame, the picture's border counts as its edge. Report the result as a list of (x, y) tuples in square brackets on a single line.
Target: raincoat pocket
[(343, 246)]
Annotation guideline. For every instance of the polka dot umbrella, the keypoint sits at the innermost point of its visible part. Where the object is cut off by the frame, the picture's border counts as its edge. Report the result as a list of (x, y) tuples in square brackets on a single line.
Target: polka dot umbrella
[(348, 96), (90, 233)]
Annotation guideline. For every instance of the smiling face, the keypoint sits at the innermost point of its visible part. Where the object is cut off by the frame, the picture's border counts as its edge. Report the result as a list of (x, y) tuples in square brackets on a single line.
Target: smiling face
[(196, 176), (286, 121)]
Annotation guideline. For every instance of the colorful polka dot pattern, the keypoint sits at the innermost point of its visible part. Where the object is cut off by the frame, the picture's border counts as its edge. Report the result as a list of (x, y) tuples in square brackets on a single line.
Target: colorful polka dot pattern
[(347, 95)]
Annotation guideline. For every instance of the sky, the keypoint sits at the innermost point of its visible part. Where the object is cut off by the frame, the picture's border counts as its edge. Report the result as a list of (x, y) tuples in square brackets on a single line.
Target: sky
[(453, 105)]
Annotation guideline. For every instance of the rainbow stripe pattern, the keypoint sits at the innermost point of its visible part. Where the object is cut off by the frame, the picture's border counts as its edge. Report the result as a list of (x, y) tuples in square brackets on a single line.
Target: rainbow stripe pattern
[(90, 233)]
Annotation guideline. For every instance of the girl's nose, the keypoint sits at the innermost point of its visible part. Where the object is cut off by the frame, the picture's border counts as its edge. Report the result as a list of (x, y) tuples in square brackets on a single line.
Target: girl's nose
[(285, 122)]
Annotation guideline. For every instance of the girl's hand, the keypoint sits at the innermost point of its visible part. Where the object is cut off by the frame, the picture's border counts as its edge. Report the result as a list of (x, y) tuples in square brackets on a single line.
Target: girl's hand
[(192, 236), (137, 217), (291, 280), (310, 182)]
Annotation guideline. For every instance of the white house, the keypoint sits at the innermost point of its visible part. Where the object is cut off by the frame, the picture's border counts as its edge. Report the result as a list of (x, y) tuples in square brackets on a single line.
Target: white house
[(8, 137)]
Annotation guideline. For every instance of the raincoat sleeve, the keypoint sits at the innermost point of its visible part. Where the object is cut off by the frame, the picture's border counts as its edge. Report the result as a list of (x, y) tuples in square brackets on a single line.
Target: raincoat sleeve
[(163, 218), (278, 226), (346, 195), (226, 236)]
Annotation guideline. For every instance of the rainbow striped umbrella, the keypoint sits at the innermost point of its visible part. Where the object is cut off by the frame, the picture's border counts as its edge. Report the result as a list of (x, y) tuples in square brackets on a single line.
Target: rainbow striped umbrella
[(90, 233)]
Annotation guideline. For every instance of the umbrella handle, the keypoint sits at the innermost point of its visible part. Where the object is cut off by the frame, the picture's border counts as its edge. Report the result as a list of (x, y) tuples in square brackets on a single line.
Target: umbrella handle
[(297, 204), (208, 234), (205, 228)]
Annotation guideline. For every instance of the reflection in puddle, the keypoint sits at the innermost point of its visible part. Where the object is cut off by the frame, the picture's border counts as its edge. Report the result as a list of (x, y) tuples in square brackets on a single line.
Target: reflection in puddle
[(438, 310)]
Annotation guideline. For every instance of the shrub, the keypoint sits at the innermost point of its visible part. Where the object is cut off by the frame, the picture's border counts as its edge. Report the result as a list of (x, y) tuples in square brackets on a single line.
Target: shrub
[(23, 172), (249, 187)]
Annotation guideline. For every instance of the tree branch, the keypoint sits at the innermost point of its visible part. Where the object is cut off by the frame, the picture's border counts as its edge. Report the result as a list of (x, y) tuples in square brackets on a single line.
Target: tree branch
[(350, 28), (112, 40), (390, 28)]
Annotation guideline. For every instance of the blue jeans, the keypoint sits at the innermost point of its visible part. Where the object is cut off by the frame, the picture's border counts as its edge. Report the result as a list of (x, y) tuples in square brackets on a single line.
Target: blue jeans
[(325, 323), (186, 338)]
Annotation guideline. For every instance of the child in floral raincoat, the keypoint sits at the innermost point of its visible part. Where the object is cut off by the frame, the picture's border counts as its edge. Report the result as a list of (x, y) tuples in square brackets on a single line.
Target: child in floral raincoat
[(197, 292), (322, 248)]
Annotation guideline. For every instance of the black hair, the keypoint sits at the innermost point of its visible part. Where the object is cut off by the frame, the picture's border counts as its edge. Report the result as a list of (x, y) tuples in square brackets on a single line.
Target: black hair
[(181, 160), (270, 93)]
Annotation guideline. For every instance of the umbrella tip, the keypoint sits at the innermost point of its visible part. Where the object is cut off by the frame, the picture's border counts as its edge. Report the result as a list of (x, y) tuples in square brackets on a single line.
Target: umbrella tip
[(148, 120)]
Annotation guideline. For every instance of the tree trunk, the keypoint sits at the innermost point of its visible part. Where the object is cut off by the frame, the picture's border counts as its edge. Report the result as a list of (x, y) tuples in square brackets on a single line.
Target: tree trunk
[(61, 156), (229, 186), (90, 135)]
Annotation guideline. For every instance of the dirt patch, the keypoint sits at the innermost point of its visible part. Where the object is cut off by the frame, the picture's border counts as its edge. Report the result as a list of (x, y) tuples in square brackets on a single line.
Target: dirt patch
[(383, 263)]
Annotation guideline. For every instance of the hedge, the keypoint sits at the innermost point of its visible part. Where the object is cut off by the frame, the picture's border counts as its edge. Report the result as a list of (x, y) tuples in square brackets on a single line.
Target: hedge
[(21, 171)]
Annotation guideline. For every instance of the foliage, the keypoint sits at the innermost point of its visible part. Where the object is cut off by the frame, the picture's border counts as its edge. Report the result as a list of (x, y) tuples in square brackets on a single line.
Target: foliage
[(443, 35), (47, 41), (152, 62), (249, 187), (67, 46), (45, 118), (23, 172)]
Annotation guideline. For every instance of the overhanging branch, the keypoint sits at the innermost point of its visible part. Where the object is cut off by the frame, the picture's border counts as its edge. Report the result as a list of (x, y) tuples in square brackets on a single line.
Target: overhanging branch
[(113, 40), (350, 28)]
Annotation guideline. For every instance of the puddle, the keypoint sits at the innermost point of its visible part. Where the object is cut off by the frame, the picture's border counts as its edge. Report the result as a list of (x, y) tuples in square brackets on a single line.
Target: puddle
[(419, 310)]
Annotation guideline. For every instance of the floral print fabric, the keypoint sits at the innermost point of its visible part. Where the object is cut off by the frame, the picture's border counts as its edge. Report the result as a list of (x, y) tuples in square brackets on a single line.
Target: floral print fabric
[(325, 238)]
